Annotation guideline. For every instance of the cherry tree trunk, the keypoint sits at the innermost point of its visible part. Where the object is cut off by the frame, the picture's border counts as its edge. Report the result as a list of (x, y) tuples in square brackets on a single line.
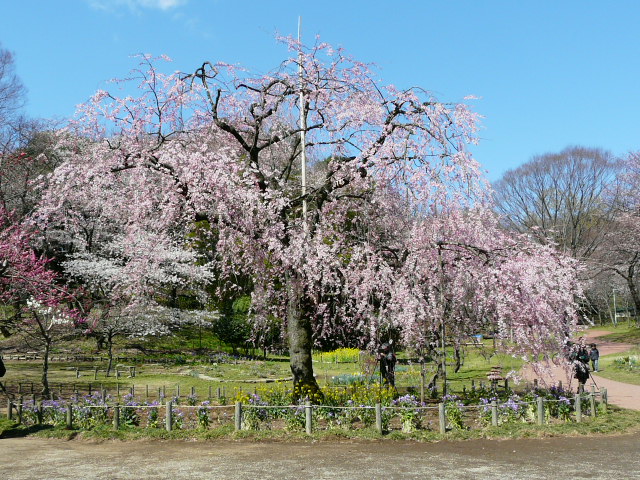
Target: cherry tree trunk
[(633, 290), (46, 393), (110, 353), (300, 344)]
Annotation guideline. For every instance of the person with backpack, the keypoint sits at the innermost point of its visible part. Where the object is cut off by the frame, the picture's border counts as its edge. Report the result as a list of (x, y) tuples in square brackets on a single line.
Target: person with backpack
[(580, 359), (387, 364)]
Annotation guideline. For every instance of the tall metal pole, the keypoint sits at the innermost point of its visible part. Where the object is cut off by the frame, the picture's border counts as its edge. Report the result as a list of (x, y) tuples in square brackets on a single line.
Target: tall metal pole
[(444, 332), (303, 128)]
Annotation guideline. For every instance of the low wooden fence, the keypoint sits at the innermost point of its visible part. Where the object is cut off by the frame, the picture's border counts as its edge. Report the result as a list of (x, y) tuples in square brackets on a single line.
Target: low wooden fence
[(138, 360), (171, 415), (63, 391)]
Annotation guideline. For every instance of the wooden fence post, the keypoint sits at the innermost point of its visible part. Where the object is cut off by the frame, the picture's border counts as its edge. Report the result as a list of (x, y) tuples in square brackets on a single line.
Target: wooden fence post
[(169, 417), (238, 416), (308, 414), (116, 416), (540, 411), (578, 408), (39, 412), (9, 410), (494, 413), (19, 408), (379, 418), (605, 399), (69, 416), (592, 401), (442, 418)]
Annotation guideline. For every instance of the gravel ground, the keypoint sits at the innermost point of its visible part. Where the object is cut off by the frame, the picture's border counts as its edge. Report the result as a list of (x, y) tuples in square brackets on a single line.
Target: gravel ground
[(602, 457)]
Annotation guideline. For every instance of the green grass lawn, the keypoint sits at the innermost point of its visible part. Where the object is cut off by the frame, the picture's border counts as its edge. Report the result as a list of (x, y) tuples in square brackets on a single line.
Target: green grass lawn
[(623, 333), (611, 366), (617, 367), (242, 374)]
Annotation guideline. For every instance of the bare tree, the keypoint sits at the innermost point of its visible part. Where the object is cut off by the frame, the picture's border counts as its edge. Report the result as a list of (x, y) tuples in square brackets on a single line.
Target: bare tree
[(568, 198), (12, 91)]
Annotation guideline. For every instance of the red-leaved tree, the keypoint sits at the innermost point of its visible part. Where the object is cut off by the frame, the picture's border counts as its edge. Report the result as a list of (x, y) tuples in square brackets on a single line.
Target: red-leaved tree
[(33, 301)]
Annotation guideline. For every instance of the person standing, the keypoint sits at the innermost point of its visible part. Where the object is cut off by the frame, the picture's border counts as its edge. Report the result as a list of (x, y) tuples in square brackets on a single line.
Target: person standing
[(580, 358), (387, 364), (594, 356)]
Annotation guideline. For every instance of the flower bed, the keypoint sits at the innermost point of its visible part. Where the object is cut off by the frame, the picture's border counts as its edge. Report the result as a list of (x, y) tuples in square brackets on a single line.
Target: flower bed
[(347, 408)]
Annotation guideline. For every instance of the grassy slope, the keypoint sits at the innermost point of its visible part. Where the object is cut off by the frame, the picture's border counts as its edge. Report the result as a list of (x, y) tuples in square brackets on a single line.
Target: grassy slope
[(623, 333)]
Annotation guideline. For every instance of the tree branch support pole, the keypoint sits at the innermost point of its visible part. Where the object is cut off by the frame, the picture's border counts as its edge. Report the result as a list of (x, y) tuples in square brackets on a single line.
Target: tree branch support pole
[(444, 331), (303, 131)]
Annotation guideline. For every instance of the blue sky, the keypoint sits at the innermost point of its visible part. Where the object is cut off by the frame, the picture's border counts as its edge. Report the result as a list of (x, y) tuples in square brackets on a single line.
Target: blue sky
[(548, 73)]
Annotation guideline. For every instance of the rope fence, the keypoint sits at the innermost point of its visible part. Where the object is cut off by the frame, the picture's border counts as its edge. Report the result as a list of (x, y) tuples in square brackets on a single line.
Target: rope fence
[(171, 414)]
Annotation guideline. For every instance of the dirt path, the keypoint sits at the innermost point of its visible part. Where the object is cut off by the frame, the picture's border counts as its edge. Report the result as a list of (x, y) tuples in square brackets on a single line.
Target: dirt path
[(614, 457), (621, 394)]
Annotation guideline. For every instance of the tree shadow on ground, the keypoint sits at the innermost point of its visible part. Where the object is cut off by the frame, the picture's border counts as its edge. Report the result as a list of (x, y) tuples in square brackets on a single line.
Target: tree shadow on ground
[(20, 431)]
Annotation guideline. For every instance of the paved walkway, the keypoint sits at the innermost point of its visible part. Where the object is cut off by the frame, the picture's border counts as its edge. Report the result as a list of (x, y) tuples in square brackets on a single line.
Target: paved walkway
[(621, 394)]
